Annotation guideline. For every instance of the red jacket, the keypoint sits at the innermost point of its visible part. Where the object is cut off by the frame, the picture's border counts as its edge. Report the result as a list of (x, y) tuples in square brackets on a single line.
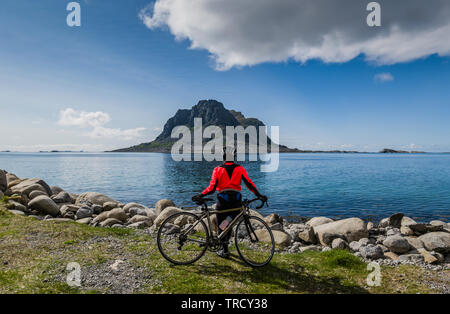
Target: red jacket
[(228, 177)]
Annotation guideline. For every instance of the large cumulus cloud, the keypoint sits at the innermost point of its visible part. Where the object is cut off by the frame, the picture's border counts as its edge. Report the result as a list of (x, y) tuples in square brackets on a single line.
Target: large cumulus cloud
[(248, 32)]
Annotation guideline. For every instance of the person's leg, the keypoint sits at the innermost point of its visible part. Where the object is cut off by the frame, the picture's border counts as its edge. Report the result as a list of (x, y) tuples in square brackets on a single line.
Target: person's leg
[(233, 201)]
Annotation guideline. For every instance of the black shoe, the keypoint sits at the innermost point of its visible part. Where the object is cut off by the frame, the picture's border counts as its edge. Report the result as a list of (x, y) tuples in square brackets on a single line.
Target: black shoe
[(223, 253)]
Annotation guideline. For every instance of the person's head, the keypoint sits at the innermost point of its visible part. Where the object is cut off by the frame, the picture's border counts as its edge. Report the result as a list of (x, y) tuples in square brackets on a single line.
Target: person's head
[(229, 153)]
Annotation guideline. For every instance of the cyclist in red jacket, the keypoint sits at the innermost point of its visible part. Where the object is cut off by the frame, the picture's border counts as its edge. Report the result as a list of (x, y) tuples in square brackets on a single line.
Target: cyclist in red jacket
[(226, 180)]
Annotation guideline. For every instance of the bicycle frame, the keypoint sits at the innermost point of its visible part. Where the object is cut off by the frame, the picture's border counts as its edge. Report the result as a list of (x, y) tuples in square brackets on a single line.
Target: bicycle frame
[(207, 214)]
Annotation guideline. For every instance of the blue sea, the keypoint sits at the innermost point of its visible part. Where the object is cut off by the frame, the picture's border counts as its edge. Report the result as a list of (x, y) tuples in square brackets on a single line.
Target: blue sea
[(370, 186)]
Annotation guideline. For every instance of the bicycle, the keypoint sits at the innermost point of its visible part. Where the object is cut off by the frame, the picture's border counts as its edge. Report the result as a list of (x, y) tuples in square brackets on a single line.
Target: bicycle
[(184, 237)]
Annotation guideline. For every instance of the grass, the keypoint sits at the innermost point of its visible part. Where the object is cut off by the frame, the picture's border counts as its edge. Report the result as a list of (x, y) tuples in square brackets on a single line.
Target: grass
[(34, 254)]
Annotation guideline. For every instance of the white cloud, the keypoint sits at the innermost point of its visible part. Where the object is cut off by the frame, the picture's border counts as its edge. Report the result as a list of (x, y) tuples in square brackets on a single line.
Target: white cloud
[(248, 32), (383, 77), (71, 117), (96, 121)]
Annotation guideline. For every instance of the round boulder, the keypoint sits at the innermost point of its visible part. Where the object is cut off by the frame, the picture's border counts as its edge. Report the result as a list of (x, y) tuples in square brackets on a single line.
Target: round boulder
[(118, 213), (371, 251), (351, 229), (317, 221), (168, 211), (94, 198), (84, 212), (44, 204), (436, 241), (397, 244), (3, 181), (163, 204)]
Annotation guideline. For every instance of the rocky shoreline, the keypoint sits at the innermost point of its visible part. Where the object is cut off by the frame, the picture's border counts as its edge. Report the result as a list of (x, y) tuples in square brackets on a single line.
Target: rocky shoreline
[(395, 240)]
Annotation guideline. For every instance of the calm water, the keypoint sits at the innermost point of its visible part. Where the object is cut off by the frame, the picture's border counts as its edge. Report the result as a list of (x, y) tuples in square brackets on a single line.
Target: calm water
[(334, 185)]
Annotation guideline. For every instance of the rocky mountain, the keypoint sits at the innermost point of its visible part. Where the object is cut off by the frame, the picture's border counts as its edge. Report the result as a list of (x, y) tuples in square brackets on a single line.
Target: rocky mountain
[(211, 111)]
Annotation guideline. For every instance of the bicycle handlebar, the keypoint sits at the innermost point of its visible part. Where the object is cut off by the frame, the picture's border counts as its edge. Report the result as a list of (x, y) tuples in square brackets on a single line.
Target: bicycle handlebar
[(246, 202)]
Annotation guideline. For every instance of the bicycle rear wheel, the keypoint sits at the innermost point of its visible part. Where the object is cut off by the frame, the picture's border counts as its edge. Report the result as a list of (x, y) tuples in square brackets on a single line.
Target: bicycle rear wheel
[(182, 238), (254, 241)]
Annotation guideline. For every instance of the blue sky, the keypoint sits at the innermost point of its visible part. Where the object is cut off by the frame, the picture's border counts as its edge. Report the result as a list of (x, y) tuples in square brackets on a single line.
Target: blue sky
[(139, 76)]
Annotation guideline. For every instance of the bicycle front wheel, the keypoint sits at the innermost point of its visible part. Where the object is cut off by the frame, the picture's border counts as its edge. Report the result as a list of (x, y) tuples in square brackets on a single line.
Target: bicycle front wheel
[(254, 241), (182, 238)]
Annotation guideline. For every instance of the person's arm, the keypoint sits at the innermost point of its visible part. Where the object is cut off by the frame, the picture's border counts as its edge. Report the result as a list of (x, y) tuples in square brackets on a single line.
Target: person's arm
[(212, 185), (249, 183)]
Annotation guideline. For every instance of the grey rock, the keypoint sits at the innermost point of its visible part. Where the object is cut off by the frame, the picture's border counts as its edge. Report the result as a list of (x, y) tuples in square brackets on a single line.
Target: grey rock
[(307, 234), (118, 213), (3, 181), (55, 190), (44, 204), (16, 212), (273, 219), (317, 221), (277, 226), (109, 206), (424, 228), (62, 197), (437, 223), (351, 229), (94, 198), (133, 211), (371, 251), (310, 248), (138, 225), (396, 220), (109, 222), (84, 221), (392, 231), (339, 244), (36, 193), (97, 208), (163, 204), (416, 258), (436, 241), (84, 212), (355, 246), (397, 244)]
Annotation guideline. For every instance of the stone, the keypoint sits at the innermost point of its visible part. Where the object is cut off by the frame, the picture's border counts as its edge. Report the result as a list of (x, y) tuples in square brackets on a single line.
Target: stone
[(101, 217), (109, 222), (438, 223), (94, 198), (68, 208), (107, 206), (62, 197), (138, 218), (168, 211), (36, 193), (55, 190), (273, 219), (84, 212), (425, 228), (392, 231), (415, 258), (309, 248), (307, 234), (150, 212), (414, 242), (133, 211), (396, 220), (84, 221), (118, 213), (391, 255), (138, 225), (406, 221), (355, 246), (281, 238), (397, 244), (317, 221), (371, 251), (58, 219), (364, 241), (44, 204), (277, 226), (384, 223), (370, 225), (163, 204), (351, 229), (407, 231), (28, 185), (3, 181), (428, 257), (17, 206), (339, 244), (97, 209), (436, 241), (16, 212)]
